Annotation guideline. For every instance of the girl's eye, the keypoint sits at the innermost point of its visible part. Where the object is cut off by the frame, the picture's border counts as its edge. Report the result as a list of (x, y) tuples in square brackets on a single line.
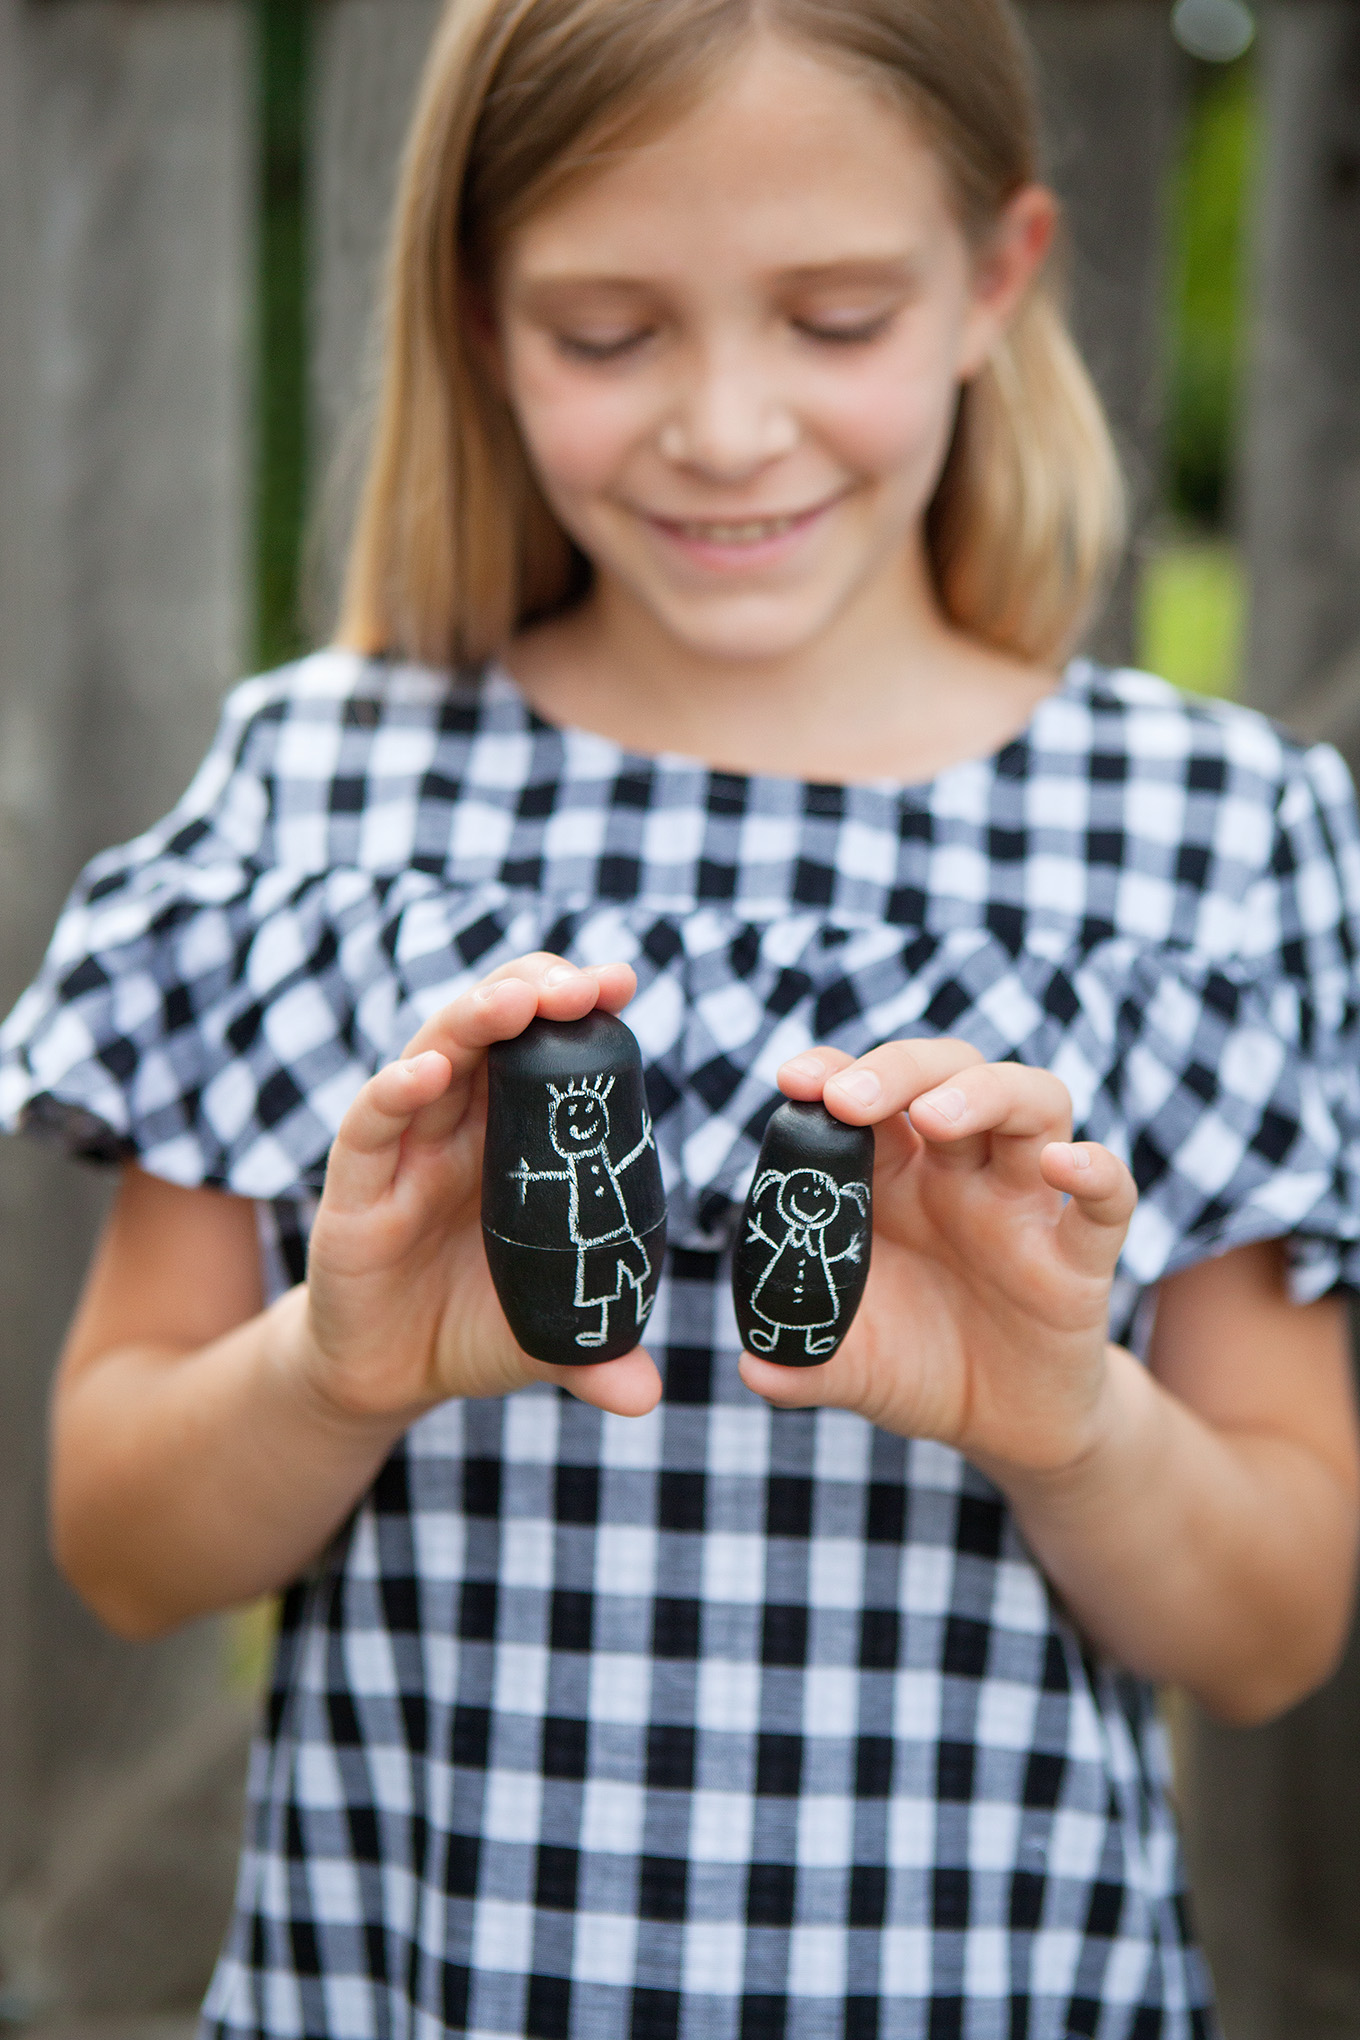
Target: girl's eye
[(847, 333), (583, 347)]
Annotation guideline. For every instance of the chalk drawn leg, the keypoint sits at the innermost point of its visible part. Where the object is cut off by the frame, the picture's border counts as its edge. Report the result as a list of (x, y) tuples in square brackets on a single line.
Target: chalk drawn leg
[(763, 1341), (812, 1345), (596, 1338), (601, 1273)]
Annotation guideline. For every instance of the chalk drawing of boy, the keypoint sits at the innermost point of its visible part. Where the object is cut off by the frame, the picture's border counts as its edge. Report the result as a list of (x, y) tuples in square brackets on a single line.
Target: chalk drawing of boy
[(609, 1253)]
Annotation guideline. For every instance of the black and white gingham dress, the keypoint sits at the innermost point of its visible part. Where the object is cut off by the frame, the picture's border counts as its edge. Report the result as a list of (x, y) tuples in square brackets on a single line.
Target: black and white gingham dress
[(723, 1724)]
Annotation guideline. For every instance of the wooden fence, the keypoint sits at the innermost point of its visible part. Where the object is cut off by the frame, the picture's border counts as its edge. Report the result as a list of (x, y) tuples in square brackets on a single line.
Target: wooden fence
[(128, 216)]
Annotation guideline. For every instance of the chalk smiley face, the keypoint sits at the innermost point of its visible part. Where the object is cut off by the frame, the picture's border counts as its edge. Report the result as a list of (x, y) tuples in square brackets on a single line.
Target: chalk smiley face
[(808, 1198), (580, 1123)]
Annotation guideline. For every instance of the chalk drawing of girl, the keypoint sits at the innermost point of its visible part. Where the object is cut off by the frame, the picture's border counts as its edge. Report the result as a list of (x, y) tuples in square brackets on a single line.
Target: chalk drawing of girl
[(797, 1291)]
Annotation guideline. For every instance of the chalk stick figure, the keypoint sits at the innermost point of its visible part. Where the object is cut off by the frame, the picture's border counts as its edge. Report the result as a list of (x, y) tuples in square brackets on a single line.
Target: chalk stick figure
[(609, 1253), (796, 1292)]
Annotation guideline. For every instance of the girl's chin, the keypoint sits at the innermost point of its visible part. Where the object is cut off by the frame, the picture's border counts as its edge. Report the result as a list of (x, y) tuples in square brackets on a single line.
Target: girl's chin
[(738, 639), (750, 619)]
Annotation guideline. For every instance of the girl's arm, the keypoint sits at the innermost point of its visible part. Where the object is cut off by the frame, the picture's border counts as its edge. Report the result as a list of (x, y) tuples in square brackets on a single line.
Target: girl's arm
[(205, 1451), (192, 1464), (1200, 1520), (1208, 1538)]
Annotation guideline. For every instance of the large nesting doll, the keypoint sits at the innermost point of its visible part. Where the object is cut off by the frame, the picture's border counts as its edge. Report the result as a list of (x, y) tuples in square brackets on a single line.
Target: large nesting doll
[(803, 1255), (573, 1211)]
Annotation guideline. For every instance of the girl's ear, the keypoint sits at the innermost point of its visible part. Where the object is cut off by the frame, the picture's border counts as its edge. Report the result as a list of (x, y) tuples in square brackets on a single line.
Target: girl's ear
[(1003, 270)]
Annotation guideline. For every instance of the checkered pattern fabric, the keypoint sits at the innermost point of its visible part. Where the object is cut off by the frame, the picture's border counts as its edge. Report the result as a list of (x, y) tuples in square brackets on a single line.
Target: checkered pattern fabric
[(724, 1723)]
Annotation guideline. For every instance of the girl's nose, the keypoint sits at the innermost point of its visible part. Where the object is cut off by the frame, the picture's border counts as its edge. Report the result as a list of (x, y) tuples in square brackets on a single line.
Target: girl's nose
[(729, 424)]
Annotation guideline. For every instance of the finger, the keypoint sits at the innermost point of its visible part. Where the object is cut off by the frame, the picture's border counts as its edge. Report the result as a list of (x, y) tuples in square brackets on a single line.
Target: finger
[(1101, 1199), (499, 1008), (367, 1149), (787, 1388), (804, 1076), (998, 1114), (887, 1079), (896, 1146), (493, 1010), (564, 987), (556, 988), (617, 984), (628, 1387)]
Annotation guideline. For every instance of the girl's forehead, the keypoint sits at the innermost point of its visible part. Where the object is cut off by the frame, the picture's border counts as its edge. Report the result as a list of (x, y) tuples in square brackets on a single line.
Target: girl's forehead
[(788, 158)]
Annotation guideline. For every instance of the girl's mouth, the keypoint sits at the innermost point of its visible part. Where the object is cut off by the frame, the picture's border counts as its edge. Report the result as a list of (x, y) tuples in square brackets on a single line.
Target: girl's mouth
[(739, 541)]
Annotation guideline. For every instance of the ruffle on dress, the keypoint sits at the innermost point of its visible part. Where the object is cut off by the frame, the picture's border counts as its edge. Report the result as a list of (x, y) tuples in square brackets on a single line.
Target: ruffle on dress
[(211, 1004)]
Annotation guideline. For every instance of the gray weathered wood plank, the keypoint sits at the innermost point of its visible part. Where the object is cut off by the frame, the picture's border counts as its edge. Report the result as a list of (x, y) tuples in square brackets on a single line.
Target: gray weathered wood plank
[(1110, 75), (1273, 1814), (126, 169), (23, 803), (1303, 444), (367, 60)]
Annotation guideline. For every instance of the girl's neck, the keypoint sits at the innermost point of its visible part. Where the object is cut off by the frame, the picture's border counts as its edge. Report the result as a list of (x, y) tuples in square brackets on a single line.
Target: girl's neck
[(895, 696)]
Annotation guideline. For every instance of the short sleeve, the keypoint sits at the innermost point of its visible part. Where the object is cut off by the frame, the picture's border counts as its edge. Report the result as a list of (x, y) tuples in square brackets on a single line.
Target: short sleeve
[(100, 1053), (1233, 1085), (210, 1005)]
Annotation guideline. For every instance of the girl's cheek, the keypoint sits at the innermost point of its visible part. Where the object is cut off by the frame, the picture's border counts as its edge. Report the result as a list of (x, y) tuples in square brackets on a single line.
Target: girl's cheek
[(896, 409), (580, 443), (577, 432), (886, 423)]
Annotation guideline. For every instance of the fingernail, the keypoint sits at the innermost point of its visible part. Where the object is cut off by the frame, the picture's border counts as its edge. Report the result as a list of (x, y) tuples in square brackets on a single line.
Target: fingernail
[(485, 993), (805, 1066), (560, 974), (951, 1104), (412, 1062), (1081, 1157), (861, 1085)]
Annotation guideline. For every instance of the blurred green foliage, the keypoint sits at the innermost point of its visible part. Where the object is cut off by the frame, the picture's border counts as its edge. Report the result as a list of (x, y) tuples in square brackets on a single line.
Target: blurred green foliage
[(1192, 610), (1211, 186), (281, 42), (250, 1645), (1192, 614)]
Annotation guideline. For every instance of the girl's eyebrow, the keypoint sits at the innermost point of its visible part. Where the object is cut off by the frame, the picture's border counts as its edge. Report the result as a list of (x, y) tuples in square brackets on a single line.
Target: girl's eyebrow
[(554, 280), (896, 268), (851, 269)]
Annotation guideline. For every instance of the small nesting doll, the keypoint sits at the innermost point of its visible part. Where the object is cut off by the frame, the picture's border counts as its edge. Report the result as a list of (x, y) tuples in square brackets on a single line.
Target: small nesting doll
[(573, 1212), (803, 1255)]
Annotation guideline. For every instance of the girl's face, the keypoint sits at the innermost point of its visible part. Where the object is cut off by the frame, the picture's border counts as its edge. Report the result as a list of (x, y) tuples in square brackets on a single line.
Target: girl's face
[(734, 354)]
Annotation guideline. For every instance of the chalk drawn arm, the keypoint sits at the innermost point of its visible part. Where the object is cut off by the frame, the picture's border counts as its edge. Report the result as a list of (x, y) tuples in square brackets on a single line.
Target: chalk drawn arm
[(858, 1193), (646, 1142), (850, 1253), (758, 1232), (758, 1190), (524, 1176)]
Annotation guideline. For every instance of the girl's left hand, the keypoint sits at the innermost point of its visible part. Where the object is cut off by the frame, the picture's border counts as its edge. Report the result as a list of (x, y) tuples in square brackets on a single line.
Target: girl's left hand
[(984, 1321)]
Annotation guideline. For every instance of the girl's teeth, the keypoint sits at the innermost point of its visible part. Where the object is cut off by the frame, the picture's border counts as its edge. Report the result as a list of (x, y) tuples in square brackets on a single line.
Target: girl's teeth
[(749, 533)]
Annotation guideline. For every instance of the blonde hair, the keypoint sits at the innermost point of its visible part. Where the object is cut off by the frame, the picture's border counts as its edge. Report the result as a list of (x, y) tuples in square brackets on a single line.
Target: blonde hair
[(454, 548)]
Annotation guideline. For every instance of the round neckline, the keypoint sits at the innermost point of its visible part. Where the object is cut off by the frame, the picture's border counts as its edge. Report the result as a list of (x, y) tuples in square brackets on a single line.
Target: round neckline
[(496, 673)]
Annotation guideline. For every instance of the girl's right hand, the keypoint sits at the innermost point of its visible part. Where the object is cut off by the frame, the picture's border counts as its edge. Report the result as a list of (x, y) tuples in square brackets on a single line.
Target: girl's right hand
[(401, 1313)]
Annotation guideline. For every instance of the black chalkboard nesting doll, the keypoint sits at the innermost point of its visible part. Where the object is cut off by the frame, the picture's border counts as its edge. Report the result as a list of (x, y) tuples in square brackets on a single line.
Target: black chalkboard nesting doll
[(573, 1212), (803, 1256)]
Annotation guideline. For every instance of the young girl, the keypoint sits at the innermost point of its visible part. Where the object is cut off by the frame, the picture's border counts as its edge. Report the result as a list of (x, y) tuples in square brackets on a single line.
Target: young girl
[(735, 491)]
